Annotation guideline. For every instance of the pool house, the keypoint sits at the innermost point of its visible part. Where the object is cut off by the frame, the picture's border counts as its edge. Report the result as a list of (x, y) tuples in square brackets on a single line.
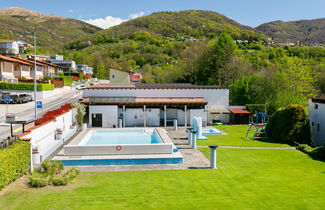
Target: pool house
[(153, 105)]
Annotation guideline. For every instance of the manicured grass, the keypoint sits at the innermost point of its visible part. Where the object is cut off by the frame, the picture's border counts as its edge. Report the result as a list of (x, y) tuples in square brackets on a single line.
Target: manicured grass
[(236, 137), (253, 179)]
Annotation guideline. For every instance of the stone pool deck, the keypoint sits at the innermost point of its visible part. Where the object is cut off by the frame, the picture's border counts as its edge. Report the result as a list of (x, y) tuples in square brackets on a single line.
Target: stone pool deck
[(193, 158)]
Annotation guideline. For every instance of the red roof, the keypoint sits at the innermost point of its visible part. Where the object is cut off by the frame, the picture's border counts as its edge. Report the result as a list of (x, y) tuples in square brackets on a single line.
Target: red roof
[(136, 77), (5, 58), (7, 41), (239, 111)]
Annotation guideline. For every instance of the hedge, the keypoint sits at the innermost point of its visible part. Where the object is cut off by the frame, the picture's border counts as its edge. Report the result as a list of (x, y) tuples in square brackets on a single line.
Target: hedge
[(316, 153), (25, 86), (67, 80), (289, 125), (253, 108), (14, 162)]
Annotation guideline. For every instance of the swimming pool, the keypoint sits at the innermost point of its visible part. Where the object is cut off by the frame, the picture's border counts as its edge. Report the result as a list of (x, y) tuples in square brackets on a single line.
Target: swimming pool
[(121, 142), (121, 137), (211, 131)]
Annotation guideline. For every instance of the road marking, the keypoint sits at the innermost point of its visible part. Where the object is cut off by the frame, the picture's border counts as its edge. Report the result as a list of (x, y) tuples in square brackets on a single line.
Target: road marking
[(18, 129)]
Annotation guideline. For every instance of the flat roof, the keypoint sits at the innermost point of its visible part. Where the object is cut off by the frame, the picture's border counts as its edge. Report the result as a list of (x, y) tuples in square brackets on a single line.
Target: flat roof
[(138, 102), (318, 100), (152, 86)]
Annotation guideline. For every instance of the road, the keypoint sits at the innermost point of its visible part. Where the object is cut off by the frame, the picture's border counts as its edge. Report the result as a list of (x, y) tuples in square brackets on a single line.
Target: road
[(26, 111)]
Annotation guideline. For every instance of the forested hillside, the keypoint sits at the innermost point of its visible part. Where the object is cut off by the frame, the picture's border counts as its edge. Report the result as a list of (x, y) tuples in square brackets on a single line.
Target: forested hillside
[(154, 40), (304, 31), (52, 31)]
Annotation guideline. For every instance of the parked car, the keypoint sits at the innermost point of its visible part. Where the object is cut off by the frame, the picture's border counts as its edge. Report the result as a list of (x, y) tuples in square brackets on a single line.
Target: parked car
[(16, 99), (26, 97)]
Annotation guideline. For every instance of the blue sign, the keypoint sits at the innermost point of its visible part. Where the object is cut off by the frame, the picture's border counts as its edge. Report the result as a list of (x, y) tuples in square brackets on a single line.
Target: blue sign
[(7, 99), (39, 105)]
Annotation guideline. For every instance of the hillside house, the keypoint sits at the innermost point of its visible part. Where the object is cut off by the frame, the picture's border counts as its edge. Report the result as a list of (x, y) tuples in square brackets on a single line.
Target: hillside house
[(66, 65), (40, 68), (9, 47), (152, 105), (12, 69), (317, 120)]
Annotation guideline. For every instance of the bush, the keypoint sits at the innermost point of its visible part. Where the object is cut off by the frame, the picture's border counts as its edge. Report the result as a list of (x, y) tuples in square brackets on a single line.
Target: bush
[(289, 125), (51, 172), (38, 180), (51, 167), (71, 174), (25, 86), (59, 180), (253, 108), (317, 153), (14, 162)]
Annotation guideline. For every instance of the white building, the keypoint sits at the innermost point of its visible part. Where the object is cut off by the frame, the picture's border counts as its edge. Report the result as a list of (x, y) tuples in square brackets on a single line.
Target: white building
[(9, 47), (317, 120), (153, 104)]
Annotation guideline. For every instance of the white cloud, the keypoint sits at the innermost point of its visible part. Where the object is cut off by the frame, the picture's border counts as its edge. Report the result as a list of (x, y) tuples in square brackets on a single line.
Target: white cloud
[(71, 11), (136, 15), (110, 21), (105, 22)]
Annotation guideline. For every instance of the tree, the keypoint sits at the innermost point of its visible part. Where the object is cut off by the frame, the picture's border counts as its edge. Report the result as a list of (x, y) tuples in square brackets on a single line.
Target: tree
[(213, 64)]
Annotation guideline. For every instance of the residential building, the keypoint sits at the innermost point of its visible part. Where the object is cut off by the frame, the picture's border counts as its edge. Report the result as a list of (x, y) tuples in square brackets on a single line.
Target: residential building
[(85, 69), (9, 47), (317, 120), (66, 65), (152, 105), (117, 75), (40, 67), (50, 57), (49, 69), (12, 69), (135, 76)]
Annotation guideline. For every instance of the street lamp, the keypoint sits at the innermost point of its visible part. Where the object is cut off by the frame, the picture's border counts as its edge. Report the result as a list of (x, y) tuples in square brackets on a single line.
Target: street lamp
[(35, 86)]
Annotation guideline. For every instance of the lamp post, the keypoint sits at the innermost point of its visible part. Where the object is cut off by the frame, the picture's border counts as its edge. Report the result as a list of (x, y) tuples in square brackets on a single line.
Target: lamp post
[(35, 68), (35, 86)]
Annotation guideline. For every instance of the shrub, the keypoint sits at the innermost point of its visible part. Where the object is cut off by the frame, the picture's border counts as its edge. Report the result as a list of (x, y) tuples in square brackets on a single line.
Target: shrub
[(317, 153), (71, 174), (59, 180), (289, 124), (51, 167), (253, 108), (25, 86), (38, 180), (14, 162)]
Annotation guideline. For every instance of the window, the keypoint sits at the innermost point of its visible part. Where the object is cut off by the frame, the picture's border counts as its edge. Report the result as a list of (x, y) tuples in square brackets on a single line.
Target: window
[(318, 127), (312, 123), (316, 106)]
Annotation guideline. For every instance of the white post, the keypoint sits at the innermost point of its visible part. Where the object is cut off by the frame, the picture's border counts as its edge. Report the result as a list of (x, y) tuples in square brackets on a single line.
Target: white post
[(213, 156), (165, 115), (31, 157), (185, 110), (193, 139), (145, 116), (124, 113)]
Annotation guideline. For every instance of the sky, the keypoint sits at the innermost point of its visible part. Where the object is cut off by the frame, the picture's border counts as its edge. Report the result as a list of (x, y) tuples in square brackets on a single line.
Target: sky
[(106, 13)]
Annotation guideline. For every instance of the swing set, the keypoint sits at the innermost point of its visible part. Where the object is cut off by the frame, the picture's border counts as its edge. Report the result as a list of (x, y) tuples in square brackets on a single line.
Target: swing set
[(257, 121)]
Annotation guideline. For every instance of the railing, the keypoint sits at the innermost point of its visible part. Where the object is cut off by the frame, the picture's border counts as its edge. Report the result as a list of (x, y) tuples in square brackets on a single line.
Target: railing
[(7, 142)]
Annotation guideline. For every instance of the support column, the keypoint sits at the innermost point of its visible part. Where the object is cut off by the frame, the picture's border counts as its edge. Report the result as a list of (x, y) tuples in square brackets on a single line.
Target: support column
[(185, 110), (165, 116), (194, 139), (145, 116), (124, 115)]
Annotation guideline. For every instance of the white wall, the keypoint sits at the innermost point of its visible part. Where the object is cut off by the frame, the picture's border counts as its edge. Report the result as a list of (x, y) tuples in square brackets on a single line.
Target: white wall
[(43, 137), (109, 114), (214, 97), (317, 123)]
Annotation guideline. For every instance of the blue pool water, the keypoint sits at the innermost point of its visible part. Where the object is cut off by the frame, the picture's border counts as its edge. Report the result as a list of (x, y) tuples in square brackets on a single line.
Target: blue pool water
[(211, 131), (113, 137)]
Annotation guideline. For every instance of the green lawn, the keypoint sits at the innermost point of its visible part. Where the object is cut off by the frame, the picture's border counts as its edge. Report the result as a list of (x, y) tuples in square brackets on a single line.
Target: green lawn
[(236, 137), (246, 179), (256, 179)]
